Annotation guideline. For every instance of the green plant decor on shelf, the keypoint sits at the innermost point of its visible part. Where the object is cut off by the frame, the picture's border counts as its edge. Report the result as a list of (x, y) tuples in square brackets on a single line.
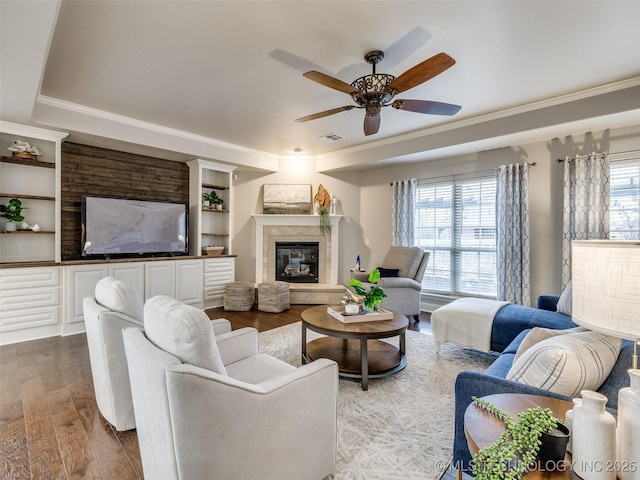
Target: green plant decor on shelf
[(12, 211), (325, 223), (213, 197), (372, 297), (511, 456)]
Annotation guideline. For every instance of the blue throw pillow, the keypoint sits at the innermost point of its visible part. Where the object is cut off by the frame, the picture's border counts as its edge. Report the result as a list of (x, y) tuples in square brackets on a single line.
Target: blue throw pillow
[(388, 272)]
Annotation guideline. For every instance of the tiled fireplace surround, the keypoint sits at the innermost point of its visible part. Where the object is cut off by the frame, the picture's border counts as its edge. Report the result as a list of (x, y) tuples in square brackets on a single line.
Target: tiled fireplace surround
[(300, 228)]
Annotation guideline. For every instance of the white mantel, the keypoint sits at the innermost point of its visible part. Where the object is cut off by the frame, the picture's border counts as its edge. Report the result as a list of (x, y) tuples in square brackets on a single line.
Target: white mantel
[(311, 227)]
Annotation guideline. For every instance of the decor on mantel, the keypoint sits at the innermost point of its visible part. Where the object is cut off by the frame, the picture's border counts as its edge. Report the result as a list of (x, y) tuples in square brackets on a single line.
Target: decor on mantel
[(321, 203), (286, 199)]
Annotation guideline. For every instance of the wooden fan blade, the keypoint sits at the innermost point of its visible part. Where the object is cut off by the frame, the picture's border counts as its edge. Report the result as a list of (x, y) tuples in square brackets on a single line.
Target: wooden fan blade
[(422, 72), (371, 124), (326, 113), (426, 106), (330, 82)]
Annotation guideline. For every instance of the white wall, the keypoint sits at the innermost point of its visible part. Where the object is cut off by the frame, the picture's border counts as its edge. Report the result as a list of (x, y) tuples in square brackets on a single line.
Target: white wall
[(365, 200)]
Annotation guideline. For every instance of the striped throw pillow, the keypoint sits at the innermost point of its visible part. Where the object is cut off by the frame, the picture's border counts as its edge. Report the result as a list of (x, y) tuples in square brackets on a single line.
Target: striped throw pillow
[(567, 364)]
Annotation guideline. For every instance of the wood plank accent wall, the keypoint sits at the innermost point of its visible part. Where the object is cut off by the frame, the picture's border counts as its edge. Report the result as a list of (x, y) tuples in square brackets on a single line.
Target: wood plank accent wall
[(98, 172)]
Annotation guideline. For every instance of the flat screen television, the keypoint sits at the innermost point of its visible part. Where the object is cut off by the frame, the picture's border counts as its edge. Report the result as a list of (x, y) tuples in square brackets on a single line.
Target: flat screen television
[(120, 227)]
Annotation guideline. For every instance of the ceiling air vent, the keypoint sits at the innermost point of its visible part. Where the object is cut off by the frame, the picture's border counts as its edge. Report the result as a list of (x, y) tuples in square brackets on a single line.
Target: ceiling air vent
[(332, 137)]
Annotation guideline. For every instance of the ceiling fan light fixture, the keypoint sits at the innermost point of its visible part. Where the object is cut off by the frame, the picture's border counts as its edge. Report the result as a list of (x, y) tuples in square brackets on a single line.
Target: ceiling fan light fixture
[(372, 92)]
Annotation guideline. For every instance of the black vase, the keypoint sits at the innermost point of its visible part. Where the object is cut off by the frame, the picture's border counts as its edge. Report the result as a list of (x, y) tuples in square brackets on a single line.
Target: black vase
[(553, 447)]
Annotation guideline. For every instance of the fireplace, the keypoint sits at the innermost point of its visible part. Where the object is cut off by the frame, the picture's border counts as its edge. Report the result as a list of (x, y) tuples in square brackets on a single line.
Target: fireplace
[(297, 262), (296, 229)]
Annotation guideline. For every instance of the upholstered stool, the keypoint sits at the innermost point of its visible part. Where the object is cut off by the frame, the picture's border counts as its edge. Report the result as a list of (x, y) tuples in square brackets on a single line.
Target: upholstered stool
[(239, 296), (273, 297)]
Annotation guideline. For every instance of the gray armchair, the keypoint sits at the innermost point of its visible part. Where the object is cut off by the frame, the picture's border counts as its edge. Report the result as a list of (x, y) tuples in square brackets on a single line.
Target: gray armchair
[(403, 290), (116, 305), (212, 406)]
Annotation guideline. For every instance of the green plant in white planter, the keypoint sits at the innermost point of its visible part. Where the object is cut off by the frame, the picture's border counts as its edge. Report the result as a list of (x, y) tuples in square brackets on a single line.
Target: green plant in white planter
[(13, 212), (511, 456), (372, 297), (215, 200)]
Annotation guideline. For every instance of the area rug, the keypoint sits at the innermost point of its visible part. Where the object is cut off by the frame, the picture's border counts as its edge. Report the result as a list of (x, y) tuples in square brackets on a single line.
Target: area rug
[(402, 427)]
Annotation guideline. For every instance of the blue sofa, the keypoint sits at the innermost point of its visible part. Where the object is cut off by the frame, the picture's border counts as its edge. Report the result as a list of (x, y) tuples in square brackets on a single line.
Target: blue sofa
[(493, 380), (513, 319)]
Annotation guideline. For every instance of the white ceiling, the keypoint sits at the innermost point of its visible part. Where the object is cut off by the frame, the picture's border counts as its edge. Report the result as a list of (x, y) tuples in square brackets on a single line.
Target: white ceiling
[(223, 79)]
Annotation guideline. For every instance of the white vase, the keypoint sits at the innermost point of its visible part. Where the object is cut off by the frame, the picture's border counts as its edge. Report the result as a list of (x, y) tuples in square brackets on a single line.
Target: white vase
[(10, 226), (628, 432), (594, 438), (568, 421)]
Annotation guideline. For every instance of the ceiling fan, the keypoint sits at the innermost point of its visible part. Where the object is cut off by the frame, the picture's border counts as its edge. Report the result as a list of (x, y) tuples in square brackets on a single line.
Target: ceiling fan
[(372, 92)]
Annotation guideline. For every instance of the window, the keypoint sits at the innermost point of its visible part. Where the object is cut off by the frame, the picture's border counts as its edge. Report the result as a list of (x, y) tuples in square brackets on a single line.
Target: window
[(624, 208), (456, 223)]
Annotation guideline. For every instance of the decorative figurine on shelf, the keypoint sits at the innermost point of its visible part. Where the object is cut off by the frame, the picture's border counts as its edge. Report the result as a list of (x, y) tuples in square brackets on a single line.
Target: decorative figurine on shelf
[(358, 263), (21, 149)]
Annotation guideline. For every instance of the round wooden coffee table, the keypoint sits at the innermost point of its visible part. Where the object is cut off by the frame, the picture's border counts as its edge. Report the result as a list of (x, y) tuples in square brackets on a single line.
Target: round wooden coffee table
[(355, 347)]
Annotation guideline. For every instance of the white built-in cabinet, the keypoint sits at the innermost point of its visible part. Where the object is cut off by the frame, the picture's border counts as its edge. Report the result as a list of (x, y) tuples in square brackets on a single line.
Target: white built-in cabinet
[(209, 226), (36, 183), (40, 296), (38, 302), (217, 273), (180, 279), (30, 303)]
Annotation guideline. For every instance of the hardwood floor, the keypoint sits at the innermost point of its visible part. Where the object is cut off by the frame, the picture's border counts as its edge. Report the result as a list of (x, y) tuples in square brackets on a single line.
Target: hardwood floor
[(50, 427)]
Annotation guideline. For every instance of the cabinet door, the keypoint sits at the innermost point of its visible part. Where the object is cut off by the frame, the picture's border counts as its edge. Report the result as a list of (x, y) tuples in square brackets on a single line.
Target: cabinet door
[(132, 273), (160, 279), (218, 272), (189, 282), (79, 282), (29, 303)]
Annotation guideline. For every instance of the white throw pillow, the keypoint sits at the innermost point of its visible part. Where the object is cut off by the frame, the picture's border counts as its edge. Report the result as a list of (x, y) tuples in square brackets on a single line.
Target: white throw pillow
[(119, 296), (538, 334), (183, 331), (567, 364), (564, 302)]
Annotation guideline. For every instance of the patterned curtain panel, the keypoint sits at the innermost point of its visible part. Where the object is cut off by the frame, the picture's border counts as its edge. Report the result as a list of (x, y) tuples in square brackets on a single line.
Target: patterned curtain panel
[(586, 203), (512, 236), (404, 202)]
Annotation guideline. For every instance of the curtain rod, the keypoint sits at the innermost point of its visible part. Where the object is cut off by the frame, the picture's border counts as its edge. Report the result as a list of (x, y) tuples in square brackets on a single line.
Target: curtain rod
[(470, 173), (561, 160)]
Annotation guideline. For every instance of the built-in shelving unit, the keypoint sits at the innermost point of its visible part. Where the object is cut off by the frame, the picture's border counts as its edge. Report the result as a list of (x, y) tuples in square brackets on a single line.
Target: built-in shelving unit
[(210, 226), (36, 183)]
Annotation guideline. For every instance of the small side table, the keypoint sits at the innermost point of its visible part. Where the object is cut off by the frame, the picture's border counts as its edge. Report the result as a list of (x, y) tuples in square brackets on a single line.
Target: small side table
[(482, 428)]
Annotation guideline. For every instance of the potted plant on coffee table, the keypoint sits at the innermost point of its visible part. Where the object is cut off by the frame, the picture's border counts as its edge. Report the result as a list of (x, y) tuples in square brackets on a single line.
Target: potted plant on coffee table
[(520, 445), (372, 297)]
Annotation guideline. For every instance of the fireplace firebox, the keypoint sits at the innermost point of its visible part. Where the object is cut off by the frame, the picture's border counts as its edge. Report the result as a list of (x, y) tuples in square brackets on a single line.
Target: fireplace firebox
[(297, 262)]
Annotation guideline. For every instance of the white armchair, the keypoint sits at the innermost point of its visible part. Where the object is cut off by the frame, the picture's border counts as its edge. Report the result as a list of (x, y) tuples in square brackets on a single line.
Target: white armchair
[(405, 267), (214, 407), (116, 306)]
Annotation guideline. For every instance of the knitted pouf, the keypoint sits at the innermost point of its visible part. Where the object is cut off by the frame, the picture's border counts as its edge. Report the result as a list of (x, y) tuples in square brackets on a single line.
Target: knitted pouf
[(273, 297), (239, 296)]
